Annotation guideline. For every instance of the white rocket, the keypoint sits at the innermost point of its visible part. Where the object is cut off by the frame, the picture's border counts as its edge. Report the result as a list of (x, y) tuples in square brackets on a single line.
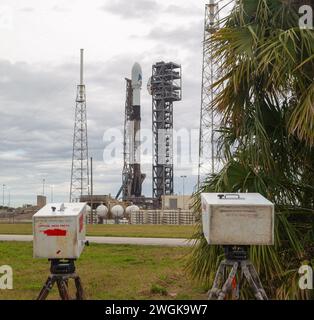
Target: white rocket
[(135, 131)]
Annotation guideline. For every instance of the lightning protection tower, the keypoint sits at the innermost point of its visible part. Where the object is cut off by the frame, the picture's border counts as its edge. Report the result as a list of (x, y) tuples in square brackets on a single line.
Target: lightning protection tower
[(80, 171), (165, 87), (209, 121)]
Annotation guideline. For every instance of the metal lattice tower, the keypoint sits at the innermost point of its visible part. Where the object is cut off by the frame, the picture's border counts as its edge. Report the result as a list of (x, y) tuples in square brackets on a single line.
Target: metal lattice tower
[(166, 86), (209, 121), (80, 167), (127, 169)]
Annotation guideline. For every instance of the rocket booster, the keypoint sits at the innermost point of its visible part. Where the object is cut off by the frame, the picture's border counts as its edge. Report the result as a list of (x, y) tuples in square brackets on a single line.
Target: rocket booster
[(135, 132), (136, 83)]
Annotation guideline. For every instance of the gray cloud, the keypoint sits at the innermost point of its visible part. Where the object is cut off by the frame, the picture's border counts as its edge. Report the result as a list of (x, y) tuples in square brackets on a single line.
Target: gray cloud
[(58, 8), (184, 36), (183, 10), (146, 9), (27, 9), (132, 9)]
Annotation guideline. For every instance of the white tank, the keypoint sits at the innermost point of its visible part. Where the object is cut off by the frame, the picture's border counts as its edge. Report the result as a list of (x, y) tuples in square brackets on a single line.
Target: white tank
[(102, 211), (88, 209), (117, 211), (131, 209)]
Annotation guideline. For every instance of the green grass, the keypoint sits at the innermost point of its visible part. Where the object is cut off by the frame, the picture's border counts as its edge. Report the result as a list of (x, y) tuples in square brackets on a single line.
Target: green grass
[(148, 231), (107, 272), (158, 289)]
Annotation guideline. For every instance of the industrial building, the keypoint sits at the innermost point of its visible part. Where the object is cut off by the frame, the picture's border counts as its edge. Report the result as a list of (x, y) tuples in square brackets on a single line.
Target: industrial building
[(41, 201), (169, 217), (174, 202)]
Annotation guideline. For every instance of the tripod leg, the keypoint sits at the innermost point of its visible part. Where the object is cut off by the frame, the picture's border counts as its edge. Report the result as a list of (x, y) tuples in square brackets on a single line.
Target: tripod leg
[(239, 284), (79, 288), (236, 285), (46, 289), (63, 289), (228, 284), (214, 291), (251, 282), (257, 280)]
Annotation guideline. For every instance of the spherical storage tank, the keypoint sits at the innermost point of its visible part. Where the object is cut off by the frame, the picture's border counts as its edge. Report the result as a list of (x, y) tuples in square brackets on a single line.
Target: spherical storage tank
[(102, 211), (88, 209), (131, 209), (117, 211)]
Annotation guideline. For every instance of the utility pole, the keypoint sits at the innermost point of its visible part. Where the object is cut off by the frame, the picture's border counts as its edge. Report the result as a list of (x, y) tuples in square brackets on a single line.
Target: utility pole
[(44, 180), (183, 177), (51, 195), (9, 204), (3, 186)]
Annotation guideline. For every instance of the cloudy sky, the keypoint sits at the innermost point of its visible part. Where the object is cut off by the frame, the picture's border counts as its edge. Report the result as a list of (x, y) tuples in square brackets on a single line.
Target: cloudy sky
[(39, 71)]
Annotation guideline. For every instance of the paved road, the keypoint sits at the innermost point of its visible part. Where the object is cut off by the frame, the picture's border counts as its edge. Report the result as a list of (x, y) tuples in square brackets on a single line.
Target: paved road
[(113, 240)]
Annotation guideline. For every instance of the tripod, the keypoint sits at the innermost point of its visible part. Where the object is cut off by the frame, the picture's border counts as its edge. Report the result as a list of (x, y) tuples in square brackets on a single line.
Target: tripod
[(61, 272), (237, 259)]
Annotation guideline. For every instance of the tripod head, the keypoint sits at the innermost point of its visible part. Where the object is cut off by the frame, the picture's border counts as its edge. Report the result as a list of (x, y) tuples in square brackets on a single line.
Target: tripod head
[(237, 253), (62, 270), (62, 266)]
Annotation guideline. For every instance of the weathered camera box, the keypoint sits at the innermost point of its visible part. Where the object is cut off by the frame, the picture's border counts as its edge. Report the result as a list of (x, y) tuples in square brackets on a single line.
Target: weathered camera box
[(59, 231), (237, 219)]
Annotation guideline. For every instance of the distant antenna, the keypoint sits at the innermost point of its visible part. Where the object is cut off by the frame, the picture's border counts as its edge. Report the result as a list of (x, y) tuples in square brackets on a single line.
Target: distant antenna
[(80, 169), (81, 67), (44, 180), (209, 121)]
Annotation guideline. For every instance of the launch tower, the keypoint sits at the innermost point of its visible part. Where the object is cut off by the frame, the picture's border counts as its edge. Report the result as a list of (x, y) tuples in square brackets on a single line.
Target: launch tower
[(165, 87)]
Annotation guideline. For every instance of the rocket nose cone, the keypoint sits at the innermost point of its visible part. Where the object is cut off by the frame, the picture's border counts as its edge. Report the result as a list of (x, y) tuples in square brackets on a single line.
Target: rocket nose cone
[(136, 74), (136, 68)]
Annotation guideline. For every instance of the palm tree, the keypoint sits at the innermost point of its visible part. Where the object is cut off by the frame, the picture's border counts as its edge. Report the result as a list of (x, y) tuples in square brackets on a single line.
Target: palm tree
[(266, 102)]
